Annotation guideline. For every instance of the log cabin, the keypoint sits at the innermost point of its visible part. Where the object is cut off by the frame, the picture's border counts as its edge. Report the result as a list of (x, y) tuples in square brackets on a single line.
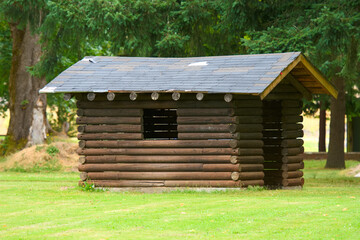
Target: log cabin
[(223, 121)]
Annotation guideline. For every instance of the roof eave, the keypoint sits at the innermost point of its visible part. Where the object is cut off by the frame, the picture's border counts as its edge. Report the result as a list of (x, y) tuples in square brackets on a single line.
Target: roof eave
[(316, 74)]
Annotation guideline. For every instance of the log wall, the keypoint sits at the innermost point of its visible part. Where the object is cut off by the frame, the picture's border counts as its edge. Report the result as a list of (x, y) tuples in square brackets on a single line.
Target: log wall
[(218, 143), (282, 133)]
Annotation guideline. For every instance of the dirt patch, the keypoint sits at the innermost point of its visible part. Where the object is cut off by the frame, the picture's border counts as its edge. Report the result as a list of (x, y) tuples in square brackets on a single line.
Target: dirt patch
[(354, 171), (47, 157)]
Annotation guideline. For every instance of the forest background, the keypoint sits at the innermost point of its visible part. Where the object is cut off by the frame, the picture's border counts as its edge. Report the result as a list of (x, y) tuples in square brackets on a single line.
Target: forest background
[(41, 38)]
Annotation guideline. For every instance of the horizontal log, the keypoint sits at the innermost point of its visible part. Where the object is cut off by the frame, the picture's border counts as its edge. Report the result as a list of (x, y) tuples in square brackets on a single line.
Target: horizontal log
[(219, 112), (292, 151), (205, 112), (284, 182), (282, 134), (251, 175), (173, 183), (202, 183), (162, 167), (110, 136), (291, 143), (293, 182), (223, 128), (283, 174), (284, 167), (149, 113), (245, 128), (162, 151), (277, 110), (219, 120), (110, 128), (172, 144), (159, 159), (110, 112), (159, 175), (292, 134), (283, 119), (250, 167), (248, 183), (168, 104), (292, 159), (247, 159), (109, 120), (238, 136), (283, 159), (283, 126), (285, 143), (162, 144), (246, 143), (282, 151), (124, 183)]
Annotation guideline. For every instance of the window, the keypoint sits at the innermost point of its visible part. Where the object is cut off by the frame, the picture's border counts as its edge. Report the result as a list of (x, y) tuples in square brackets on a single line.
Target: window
[(160, 124)]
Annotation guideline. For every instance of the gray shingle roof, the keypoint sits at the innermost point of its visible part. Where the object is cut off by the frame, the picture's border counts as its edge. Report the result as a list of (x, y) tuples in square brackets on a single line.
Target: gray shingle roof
[(221, 74)]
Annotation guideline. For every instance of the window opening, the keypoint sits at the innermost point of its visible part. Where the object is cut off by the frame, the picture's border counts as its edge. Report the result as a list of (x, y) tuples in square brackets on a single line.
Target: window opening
[(160, 124)]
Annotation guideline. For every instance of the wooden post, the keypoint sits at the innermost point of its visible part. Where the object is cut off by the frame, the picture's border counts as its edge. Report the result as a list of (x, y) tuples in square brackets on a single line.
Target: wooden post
[(91, 96)]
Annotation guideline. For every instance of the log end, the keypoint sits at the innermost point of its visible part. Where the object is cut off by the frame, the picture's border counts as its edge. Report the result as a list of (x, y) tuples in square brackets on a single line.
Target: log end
[(67, 96), (83, 176), (82, 143), (234, 159), (82, 160), (80, 112), (110, 96), (235, 176), (81, 129), (234, 143), (232, 128)]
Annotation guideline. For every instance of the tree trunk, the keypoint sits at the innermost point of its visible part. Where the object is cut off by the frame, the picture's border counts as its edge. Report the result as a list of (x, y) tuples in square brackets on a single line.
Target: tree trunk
[(336, 158), (322, 128), (349, 135), (27, 107)]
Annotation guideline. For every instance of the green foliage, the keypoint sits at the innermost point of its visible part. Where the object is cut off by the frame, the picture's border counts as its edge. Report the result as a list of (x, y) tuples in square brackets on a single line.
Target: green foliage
[(61, 111), (326, 31), (52, 150), (5, 64), (89, 187)]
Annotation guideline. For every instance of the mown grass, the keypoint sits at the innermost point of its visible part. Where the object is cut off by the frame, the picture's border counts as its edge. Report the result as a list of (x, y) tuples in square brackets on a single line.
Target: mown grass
[(51, 206)]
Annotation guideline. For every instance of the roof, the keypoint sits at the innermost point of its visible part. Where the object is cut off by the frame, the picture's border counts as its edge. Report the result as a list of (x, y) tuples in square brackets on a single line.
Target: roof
[(254, 74)]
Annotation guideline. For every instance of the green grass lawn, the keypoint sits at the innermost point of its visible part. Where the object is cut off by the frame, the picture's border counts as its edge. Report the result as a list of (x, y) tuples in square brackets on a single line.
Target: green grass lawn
[(51, 206)]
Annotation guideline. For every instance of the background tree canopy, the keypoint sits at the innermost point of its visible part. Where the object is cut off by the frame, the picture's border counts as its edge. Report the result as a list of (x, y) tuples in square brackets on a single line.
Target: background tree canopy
[(326, 31)]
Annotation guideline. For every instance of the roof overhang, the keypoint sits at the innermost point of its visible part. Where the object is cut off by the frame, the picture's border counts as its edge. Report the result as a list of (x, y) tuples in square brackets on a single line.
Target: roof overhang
[(305, 74)]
